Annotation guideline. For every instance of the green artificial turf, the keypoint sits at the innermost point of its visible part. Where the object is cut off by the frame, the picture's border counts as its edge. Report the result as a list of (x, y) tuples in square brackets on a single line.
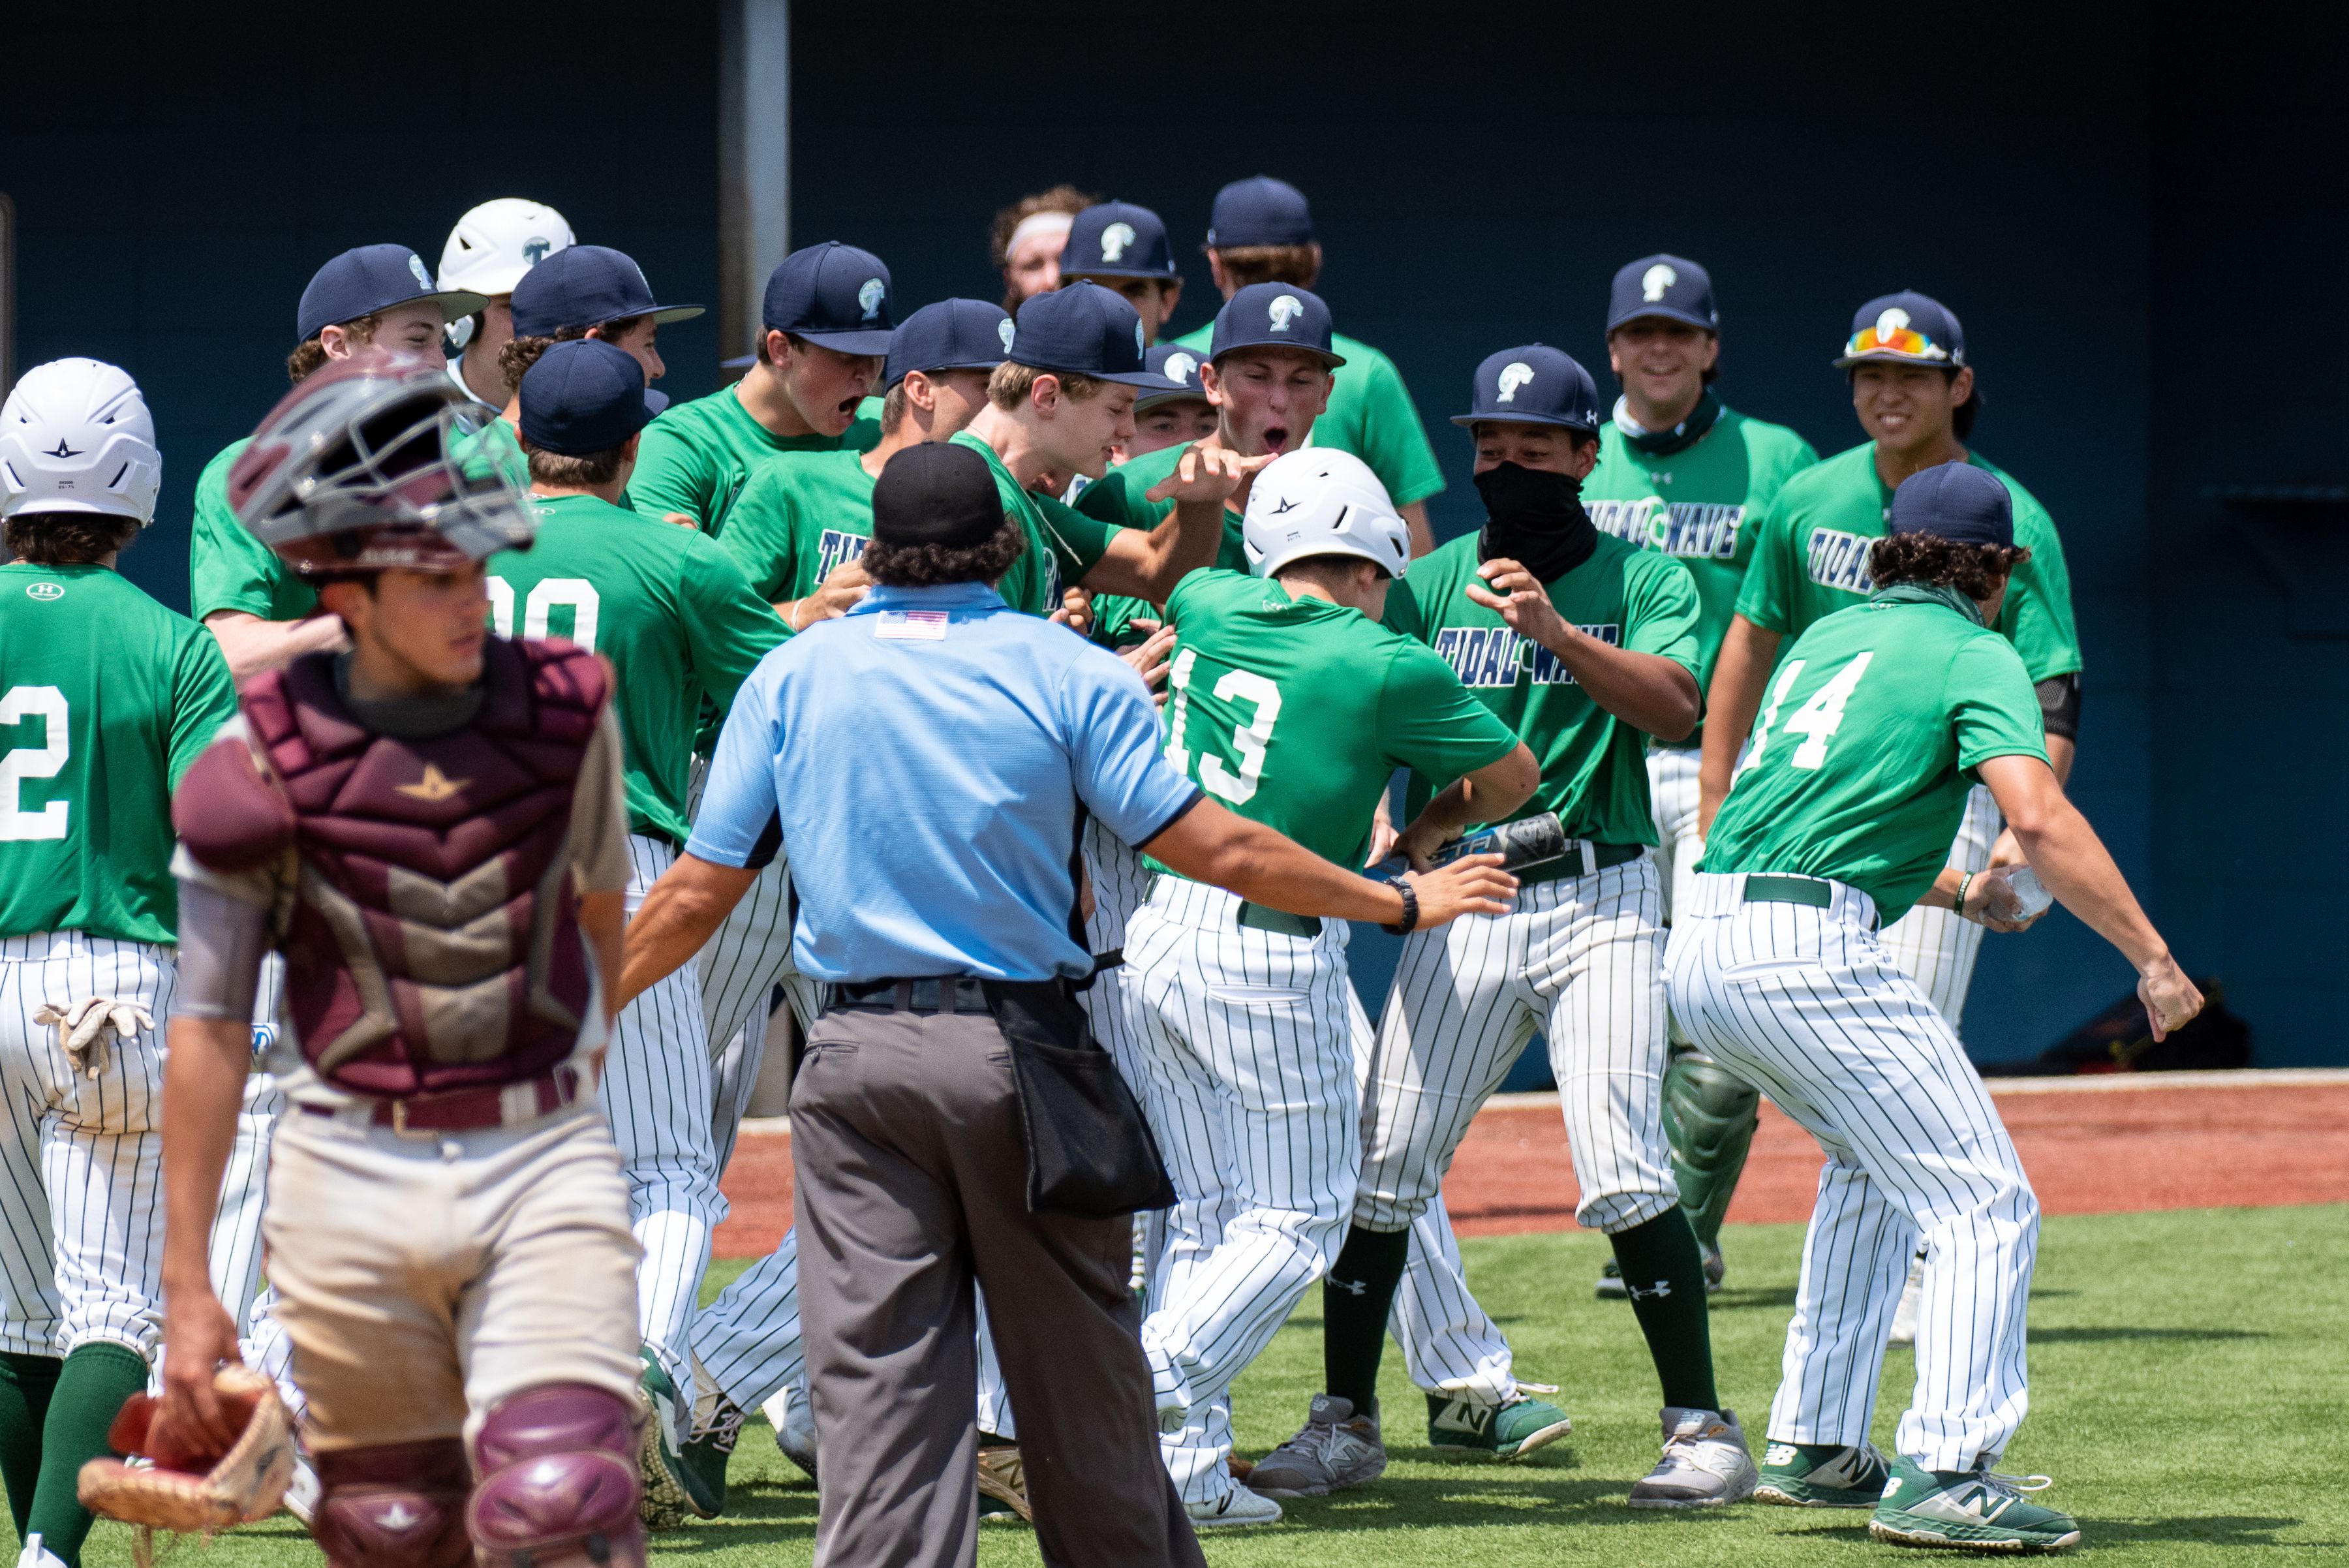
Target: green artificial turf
[(2187, 1375)]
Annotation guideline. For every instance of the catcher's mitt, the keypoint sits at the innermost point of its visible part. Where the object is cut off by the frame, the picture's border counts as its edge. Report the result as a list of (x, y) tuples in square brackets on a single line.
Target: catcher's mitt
[(194, 1493)]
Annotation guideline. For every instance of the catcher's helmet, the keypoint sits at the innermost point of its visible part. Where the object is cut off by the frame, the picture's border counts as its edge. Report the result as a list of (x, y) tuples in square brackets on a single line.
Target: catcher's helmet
[(1321, 502), (76, 436), (378, 462)]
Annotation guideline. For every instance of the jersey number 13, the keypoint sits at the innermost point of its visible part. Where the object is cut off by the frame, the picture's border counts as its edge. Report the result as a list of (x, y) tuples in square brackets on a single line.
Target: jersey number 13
[(1248, 740)]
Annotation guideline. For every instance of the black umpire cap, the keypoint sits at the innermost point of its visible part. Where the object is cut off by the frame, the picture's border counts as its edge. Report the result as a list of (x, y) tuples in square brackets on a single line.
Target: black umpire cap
[(936, 493)]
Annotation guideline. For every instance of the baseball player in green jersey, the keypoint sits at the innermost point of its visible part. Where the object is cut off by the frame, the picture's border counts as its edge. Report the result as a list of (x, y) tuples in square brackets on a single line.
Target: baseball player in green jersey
[(1292, 706), (488, 253), (106, 696), (1587, 647), (823, 328), (1261, 231), (263, 614), (588, 291), (798, 529), (672, 613), (1879, 722), (1123, 248), (1175, 416), (1681, 473), (1916, 396)]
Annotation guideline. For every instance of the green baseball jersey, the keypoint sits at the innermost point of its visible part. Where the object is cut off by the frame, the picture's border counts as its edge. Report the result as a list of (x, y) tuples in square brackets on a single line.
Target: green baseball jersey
[(696, 457), (1869, 735), (802, 513), (1295, 712), (1063, 543), (1810, 559), (106, 696), (1693, 504), (1370, 414), (1121, 496), (1594, 767), (664, 605), (229, 569)]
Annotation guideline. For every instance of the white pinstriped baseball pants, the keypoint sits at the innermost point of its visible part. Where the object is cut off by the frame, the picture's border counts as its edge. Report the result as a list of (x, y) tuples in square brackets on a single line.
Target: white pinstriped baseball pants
[(1807, 1005), (1933, 947), (1248, 1080), (657, 1095), (82, 1159)]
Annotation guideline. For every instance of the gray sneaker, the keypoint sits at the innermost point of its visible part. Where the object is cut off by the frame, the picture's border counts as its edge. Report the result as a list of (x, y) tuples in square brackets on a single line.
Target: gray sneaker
[(1335, 1449), (1704, 1465)]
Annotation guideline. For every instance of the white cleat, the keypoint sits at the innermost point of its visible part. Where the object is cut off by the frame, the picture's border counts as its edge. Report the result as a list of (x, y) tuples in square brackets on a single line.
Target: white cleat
[(1904, 1316), (1705, 1462), (794, 1419), (35, 1555), (302, 1493), (1235, 1508)]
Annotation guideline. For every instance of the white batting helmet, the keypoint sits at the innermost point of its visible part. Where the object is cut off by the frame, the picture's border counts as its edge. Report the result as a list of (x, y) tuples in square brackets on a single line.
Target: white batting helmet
[(1316, 501), (492, 246), (76, 436)]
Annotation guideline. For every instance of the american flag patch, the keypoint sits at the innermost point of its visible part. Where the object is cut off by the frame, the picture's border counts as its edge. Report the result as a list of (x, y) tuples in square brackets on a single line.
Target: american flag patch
[(912, 625)]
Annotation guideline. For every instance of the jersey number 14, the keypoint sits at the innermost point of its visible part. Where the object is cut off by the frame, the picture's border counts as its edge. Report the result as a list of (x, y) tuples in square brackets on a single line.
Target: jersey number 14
[(1248, 740), (45, 760), (1816, 720)]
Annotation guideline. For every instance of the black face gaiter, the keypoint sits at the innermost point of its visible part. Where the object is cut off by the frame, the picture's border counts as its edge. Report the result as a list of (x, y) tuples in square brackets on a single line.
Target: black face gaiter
[(1535, 518)]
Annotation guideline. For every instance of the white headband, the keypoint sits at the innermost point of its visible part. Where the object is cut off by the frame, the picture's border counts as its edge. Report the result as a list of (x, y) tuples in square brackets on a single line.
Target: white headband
[(1035, 224)]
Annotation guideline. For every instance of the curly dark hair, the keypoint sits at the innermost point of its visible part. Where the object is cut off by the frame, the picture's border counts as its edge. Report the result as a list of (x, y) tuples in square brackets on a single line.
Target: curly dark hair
[(935, 565), (1974, 570), (517, 354), (67, 538)]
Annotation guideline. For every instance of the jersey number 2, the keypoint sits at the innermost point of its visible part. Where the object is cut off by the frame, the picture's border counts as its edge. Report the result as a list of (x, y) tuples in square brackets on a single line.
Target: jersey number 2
[(45, 760), (575, 593), (1816, 720), (1248, 741)]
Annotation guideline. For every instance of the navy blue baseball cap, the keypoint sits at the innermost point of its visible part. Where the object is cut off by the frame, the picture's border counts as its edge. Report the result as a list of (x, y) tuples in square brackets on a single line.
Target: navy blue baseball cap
[(1083, 329), (1275, 314), (1534, 385), (371, 278), (951, 334), (580, 286), (1906, 328), (1116, 239), (1261, 210), (1673, 287), (1179, 368), (1957, 502), (583, 397), (832, 295)]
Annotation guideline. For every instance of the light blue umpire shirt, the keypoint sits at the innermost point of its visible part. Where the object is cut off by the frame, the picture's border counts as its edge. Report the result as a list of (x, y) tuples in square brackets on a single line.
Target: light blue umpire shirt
[(926, 755)]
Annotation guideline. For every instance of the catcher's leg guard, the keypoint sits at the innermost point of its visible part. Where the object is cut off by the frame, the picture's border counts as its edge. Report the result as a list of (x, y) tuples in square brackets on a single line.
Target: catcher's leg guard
[(1709, 1115), (398, 1505), (559, 1483)]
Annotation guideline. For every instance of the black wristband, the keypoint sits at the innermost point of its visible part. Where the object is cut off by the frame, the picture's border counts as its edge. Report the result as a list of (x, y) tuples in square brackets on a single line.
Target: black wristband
[(1409, 921)]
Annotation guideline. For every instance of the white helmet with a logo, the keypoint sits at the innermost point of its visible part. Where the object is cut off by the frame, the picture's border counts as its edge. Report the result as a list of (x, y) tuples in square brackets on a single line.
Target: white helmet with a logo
[(76, 436), (1319, 501), (492, 246)]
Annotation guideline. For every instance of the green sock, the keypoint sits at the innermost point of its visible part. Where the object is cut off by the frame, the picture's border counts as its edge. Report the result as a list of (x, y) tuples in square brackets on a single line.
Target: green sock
[(25, 1384), (1665, 1273), (1355, 1299), (96, 1380)]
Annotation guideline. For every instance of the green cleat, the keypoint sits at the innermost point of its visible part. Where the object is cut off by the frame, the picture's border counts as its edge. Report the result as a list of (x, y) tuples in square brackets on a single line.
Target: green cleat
[(1968, 1511), (672, 1491), (1457, 1428), (1822, 1475)]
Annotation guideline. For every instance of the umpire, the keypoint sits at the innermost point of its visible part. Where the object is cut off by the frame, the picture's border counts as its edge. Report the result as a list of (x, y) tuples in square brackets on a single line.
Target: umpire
[(931, 757)]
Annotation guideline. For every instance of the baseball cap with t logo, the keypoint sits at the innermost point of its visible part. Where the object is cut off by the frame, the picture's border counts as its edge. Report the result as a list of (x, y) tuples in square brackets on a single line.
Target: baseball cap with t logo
[(835, 296)]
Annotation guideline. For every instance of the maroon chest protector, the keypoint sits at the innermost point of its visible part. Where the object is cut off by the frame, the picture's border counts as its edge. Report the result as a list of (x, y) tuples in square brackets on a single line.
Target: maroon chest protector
[(434, 942)]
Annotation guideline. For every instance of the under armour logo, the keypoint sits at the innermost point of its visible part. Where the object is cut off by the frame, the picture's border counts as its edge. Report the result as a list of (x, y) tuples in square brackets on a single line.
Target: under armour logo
[(1180, 368), (1351, 1287), (534, 251), (45, 591), (1004, 329), (416, 265), (870, 295), (1513, 373), (63, 449), (1662, 1289), (434, 787), (1284, 310), (1655, 280), (1114, 239)]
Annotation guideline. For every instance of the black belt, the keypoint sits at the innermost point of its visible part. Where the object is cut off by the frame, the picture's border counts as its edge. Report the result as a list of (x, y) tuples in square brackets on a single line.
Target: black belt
[(933, 994), (1257, 918), (1602, 855), (1770, 887)]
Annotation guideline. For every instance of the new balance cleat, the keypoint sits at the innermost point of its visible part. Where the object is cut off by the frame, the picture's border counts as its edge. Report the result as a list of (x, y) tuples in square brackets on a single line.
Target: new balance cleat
[(1335, 1449), (672, 1491), (1002, 1478), (1458, 1427), (710, 1447), (1968, 1511), (1234, 1510), (793, 1421), (1704, 1465), (1822, 1475)]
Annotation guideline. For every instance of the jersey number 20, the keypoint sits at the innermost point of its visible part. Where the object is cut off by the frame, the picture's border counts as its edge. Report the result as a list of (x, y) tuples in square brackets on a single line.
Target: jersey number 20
[(1248, 740), (1816, 720), (45, 760), (576, 594)]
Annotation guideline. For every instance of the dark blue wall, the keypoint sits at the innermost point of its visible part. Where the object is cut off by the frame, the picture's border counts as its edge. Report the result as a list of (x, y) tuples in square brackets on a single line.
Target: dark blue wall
[(2142, 229)]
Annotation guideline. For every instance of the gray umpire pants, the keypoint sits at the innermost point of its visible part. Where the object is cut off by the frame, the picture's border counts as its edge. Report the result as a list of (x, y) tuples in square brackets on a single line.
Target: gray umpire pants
[(911, 1173)]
